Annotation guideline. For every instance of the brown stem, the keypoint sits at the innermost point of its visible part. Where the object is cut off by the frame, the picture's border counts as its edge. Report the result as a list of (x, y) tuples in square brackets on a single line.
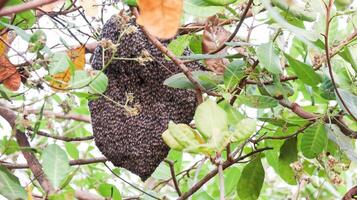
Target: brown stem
[(328, 59), (76, 117), (298, 110), (174, 59), (33, 163), (62, 138), (173, 175), (214, 172), (30, 157), (71, 162), (350, 194), (25, 6), (240, 23)]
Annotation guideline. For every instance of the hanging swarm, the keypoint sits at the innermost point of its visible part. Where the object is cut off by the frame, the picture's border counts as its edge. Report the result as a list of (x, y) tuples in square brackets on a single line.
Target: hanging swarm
[(129, 120)]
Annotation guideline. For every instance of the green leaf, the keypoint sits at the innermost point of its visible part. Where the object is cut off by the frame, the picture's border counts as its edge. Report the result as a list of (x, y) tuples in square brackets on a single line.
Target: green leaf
[(99, 84), (208, 80), (55, 164), (296, 10), (243, 129), (131, 2), (178, 45), (234, 72), (313, 140), (200, 8), (23, 19), (220, 2), (234, 116), (288, 155), (275, 91), (268, 57), (345, 143), (251, 180), (349, 99), (37, 41), (79, 79), (347, 55), (58, 63), (23, 34), (210, 119), (72, 150), (10, 186), (109, 191), (303, 71), (257, 101)]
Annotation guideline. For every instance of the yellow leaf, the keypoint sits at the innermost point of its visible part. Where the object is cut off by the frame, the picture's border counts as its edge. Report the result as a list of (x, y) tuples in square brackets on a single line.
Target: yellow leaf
[(3, 47), (160, 17), (90, 7), (77, 56)]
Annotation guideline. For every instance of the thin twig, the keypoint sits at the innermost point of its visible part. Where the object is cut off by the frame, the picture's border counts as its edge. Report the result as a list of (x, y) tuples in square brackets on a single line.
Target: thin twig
[(173, 175), (214, 172), (71, 162), (232, 36), (328, 59), (127, 182), (177, 61), (62, 138)]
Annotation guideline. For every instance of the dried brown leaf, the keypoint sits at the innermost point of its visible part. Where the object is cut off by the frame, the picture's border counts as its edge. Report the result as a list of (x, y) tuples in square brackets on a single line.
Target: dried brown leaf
[(160, 17), (214, 36), (9, 75)]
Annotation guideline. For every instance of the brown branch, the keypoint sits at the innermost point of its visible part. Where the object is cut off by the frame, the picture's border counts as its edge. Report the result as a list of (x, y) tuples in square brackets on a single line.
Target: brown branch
[(2, 3), (298, 110), (63, 138), (33, 163), (30, 157), (173, 175), (76, 117), (333, 51), (174, 59), (302, 129), (328, 59), (71, 162), (25, 6), (214, 172), (351, 194), (242, 84)]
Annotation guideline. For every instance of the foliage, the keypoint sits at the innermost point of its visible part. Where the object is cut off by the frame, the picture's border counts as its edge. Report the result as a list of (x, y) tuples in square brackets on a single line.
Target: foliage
[(277, 92)]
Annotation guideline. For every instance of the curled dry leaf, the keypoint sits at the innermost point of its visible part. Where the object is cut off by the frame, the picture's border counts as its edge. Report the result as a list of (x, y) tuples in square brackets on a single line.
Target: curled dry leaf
[(214, 36), (160, 17), (9, 75), (77, 56)]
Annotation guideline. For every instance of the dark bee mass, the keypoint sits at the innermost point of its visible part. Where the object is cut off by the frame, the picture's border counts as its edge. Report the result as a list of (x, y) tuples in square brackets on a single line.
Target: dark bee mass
[(129, 121)]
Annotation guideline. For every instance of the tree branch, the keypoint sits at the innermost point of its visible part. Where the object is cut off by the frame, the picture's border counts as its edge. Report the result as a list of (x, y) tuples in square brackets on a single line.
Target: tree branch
[(25, 6), (240, 23), (71, 162), (214, 172), (174, 59), (173, 175), (328, 59), (30, 157), (63, 138), (76, 117), (33, 163), (298, 110)]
